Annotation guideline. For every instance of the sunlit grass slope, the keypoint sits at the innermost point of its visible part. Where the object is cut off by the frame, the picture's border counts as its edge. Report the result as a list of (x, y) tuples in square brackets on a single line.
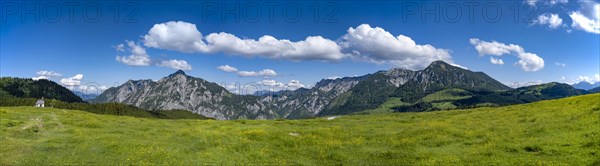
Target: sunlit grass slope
[(554, 132)]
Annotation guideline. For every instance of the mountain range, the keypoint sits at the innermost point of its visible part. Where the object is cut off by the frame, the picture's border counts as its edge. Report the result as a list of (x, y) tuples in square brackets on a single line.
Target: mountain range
[(439, 86), (85, 96), (586, 85)]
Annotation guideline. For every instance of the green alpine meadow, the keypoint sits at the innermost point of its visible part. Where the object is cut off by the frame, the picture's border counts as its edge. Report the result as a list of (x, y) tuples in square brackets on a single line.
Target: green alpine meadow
[(296, 82), (551, 132)]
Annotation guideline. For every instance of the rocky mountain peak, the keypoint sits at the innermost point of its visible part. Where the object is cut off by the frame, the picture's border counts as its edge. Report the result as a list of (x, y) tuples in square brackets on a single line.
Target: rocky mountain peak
[(439, 65), (178, 76), (178, 72)]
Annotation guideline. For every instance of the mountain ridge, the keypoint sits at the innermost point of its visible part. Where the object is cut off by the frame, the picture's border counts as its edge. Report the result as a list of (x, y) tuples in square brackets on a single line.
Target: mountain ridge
[(328, 97), (586, 85)]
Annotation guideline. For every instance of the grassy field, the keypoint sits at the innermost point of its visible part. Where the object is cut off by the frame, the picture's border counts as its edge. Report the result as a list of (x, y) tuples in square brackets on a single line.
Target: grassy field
[(554, 132), (385, 107)]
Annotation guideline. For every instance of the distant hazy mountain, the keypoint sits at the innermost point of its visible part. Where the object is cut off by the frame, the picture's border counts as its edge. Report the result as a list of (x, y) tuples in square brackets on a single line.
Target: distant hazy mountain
[(595, 90), (28, 88), (85, 96), (269, 92), (439, 86), (586, 85)]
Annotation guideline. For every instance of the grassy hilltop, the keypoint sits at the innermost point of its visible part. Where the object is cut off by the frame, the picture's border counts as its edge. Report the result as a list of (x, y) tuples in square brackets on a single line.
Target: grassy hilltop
[(553, 132)]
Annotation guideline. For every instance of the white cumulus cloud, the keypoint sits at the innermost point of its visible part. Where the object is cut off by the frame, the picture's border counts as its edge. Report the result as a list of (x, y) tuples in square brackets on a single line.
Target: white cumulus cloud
[(527, 61), (185, 37), (89, 89), (227, 68), (175, 64), (232, 87), (138, 56), (587, 18), (494, 47), (496, 61), (552, 20), (120, 47), (275, 85), (547, 2), (271, 83), (530, 61), (591, 80), (262, 73), (44, 74), (363, 43), (48, 73), (175, 35), (39, 78), (531, 2), (241, 73), (312, 48), (375, 44), (72, 81), (295, 84)]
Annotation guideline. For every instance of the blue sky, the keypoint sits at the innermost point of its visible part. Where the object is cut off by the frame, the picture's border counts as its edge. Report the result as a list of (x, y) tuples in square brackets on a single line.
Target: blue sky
[(554, 40)]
